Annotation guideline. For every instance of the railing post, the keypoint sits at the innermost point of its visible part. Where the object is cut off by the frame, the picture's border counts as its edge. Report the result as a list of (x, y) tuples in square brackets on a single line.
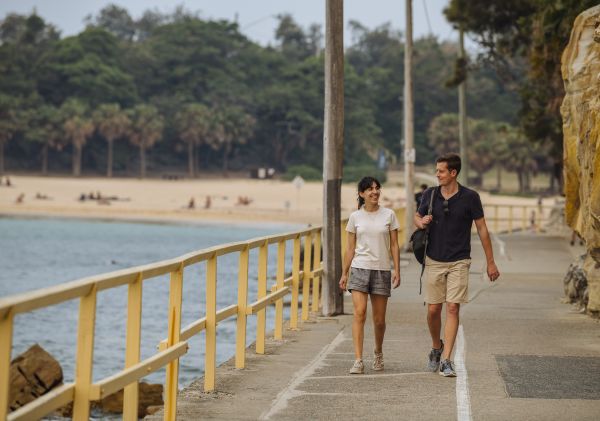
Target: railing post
[(510, 219), (240, 342), (307, 276), (316, 265), (174, 331), (524, 219), (211, 324), (6, 328), (280, 279), (261, 315), (85, 355), (132, 349), (496, 217), (295, 284)]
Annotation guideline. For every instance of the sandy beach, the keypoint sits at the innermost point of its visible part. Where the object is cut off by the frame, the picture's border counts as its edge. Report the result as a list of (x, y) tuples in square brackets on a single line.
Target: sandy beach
[(168, 200)]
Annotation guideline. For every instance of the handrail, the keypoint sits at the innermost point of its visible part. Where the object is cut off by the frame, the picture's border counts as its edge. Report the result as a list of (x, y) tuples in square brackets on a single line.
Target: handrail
[(83, 391)]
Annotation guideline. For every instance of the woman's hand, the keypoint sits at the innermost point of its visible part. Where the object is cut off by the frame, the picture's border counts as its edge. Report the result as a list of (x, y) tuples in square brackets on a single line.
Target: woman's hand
[(396, 280), (343, 282)]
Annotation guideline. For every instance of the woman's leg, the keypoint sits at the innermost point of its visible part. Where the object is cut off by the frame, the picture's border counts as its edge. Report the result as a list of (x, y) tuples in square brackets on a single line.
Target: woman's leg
[(359, 299), (379, 305)]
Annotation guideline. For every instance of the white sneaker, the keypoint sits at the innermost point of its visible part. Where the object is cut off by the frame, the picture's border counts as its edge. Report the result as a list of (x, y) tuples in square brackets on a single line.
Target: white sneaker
[(378, 361), (358, 367)]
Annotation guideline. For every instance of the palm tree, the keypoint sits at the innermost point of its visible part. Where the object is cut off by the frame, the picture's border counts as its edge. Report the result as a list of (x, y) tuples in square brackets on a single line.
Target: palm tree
[(112, 123), (232, 125), (146, 129), (193, 124), (78, 128)]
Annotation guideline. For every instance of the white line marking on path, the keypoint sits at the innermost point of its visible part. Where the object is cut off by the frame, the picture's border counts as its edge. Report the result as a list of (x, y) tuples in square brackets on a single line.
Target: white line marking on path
[(501, 246), (299, 376), (463, 400)]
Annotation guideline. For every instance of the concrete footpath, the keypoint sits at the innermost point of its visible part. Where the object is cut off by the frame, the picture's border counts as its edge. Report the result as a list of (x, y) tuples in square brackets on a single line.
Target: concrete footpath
[(521, 354)]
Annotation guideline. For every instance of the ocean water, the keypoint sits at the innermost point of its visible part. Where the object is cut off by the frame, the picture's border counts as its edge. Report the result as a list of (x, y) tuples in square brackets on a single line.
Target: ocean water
[(38, 253)]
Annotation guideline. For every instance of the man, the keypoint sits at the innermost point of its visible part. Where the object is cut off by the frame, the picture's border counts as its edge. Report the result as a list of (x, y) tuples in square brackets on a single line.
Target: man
[(448, 259), (419, 194)]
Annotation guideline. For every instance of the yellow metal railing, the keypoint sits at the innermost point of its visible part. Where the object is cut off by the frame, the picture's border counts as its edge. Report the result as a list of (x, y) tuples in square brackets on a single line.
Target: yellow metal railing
[(508, 218), (83, 390)]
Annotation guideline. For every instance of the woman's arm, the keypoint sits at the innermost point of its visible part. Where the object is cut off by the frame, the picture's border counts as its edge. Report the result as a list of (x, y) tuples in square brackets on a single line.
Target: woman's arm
[(348, 256), (395, 257)]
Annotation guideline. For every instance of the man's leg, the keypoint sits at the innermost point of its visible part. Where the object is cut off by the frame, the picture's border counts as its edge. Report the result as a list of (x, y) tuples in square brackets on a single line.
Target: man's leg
[(379, 306), (434, 321), (451, 328), (359, 300)]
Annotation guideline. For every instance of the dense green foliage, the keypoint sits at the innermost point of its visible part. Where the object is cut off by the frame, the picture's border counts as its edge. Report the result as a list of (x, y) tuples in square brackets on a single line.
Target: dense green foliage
[(175, 93), (524, 40)]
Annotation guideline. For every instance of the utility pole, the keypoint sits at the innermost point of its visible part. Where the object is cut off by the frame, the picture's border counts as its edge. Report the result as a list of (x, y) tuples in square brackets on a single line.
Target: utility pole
[(333, 151), (462, 112), (409, 148)]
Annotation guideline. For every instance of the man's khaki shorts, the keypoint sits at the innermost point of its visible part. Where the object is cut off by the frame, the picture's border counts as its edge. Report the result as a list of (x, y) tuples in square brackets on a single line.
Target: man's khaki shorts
[(447, 282)]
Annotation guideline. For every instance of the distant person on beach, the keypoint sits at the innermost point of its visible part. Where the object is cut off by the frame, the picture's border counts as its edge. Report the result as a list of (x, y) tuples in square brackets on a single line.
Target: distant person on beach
[(207, 202), (372, 233), (8, 183), (20, 199), (191, 203), (448, 258)]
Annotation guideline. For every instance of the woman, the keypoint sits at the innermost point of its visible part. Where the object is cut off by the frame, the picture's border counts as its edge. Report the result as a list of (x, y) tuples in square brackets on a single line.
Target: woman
[(372, 238)]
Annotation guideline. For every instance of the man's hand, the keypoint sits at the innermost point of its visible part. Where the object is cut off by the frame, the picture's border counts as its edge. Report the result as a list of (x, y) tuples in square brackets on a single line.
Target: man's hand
[(343, 282), (426, 220), (492, 271), (396, 280)]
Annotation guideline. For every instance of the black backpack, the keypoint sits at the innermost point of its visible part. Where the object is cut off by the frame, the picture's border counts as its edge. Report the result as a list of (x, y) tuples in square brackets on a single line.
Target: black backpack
[(419, 240)]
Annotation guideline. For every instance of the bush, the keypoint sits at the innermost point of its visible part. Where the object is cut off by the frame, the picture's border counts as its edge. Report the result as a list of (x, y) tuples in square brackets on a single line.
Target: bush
[(305, 171), (353, 174)]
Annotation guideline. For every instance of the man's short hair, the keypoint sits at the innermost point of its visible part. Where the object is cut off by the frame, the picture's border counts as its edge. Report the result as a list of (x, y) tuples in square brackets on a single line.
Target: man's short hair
[(452, 160)]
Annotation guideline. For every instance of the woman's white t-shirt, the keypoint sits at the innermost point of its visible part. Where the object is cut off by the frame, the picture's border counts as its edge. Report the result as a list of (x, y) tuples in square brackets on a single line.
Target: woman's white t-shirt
[(372, 231)]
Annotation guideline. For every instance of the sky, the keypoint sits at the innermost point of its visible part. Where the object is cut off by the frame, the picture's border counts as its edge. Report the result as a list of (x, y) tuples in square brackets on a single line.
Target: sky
[(257, 18)]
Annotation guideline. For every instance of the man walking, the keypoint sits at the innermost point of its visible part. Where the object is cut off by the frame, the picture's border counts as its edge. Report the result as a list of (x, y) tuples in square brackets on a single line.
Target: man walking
[(448, 259)]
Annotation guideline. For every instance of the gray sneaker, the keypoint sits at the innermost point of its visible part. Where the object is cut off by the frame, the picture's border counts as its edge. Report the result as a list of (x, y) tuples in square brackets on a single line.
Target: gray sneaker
[(358, 367), (435, 355), (377, 361), (447, 369)]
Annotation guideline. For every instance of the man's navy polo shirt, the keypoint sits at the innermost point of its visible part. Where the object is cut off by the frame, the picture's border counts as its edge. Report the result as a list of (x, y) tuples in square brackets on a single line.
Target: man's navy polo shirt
[(450, 233)]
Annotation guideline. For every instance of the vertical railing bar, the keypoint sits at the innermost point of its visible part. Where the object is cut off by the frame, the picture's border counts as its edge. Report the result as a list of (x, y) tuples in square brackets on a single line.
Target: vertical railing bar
[(85, 355), (295, 284), (6, 333), (240, 347), (261, 315), (280, 279), (524, 217), (211, 324), (132, 348), (510, 219), (496, 219), (316, 265), (174, 331), (306, 280)]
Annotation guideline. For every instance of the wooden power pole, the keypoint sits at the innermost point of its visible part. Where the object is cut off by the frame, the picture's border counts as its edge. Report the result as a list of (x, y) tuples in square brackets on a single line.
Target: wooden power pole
[(409, 144), (462, 113), (333, 151)]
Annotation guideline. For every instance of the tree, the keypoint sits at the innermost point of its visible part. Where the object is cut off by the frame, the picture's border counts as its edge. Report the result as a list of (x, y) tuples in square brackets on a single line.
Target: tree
[(78, 128), (193, 124), (232, 125), (146, 129), (112, 123), (115, 20), (8, 123), (45, 126)]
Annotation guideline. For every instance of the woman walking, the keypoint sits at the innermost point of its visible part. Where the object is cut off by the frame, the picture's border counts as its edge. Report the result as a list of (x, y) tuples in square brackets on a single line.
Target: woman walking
[(372, 238)]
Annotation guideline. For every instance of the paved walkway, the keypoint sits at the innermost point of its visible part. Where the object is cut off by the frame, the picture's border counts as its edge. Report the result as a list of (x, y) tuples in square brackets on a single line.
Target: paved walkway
[(521, 355)]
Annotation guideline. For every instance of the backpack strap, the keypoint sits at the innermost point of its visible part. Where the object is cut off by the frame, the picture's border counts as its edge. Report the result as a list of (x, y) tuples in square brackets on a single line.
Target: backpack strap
[(429, 211)]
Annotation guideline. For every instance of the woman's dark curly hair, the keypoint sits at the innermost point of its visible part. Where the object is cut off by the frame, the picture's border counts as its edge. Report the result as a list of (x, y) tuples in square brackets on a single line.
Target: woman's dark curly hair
[(364, 184)]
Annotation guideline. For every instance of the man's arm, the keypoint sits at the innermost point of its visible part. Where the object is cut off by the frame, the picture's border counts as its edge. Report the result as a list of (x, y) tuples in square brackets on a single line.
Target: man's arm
[(486, 242), (348, 256)]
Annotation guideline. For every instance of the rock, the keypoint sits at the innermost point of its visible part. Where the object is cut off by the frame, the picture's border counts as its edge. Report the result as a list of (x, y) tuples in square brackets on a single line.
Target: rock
[(32, 374), (150, 395), (581, 128), (576, 285)]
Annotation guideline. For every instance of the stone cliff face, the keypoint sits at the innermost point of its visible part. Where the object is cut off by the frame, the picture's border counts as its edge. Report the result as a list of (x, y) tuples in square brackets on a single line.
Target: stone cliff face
[(581, 128)]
